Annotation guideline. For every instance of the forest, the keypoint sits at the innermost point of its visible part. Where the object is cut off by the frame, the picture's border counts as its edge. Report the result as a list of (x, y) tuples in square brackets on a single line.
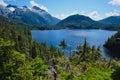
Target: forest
[(22, 58), (112, 44)]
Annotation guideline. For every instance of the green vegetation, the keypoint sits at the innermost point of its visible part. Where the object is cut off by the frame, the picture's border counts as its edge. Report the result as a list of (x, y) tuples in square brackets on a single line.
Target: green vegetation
[(113, 44), (21, 58), (83, 22), (63, 44), (78, 22), (20, 25), (86, 64)]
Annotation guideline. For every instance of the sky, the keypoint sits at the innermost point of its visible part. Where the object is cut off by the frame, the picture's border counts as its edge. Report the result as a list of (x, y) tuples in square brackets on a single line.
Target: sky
[(95, 9)]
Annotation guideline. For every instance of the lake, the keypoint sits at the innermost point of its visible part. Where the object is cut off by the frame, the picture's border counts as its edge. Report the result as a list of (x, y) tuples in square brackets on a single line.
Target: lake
[(73, 38)]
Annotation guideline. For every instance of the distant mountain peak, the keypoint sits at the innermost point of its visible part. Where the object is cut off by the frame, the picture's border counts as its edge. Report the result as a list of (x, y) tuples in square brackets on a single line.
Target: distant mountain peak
[(78, 18), (25, 7), (11, 7), (8, 6), (78, 21), (111, 20), (38, 10), (32, 16), (4, 11)]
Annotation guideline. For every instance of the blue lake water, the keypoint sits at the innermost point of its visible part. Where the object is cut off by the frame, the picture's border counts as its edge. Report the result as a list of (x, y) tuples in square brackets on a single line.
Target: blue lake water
[(73, 38)]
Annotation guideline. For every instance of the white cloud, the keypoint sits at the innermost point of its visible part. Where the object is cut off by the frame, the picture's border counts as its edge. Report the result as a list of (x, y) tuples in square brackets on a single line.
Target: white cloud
[(2, 3), (113, 13), (63, 16), (114, 2), (33, 3), (94, 15)]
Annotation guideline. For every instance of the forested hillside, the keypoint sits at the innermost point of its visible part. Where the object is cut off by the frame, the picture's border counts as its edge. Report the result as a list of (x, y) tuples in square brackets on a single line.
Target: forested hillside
[(79, 22), (84, 22), (21, 58), (113, 44), (20, 25)]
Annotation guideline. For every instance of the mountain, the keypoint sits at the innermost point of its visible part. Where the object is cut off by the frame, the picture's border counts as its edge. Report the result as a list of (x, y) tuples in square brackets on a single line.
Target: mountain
[(11, 7), (27, 16), (9, 22), (6, 21), (78, 22), (111, 20), (113, 45), (4, 11), (33, 16), (51, 20), (111, 23)]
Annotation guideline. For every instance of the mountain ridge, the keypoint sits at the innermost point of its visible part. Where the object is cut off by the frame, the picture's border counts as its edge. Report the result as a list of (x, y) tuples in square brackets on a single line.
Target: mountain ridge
[(111, 20), (79, 22), (33, 16), (36, 16)]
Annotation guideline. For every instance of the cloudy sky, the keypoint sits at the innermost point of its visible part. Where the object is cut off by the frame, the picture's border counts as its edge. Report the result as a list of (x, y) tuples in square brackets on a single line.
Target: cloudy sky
[(96, 9)]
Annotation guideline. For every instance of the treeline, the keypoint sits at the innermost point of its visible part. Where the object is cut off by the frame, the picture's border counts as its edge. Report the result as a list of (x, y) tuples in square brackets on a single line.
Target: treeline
[(87, 63), (21, 58), (111, 27), (21, 25), (113, 44)]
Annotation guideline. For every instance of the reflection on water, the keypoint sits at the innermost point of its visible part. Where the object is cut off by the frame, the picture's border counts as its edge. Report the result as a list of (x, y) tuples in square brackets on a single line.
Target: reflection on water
[(73, 38)]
